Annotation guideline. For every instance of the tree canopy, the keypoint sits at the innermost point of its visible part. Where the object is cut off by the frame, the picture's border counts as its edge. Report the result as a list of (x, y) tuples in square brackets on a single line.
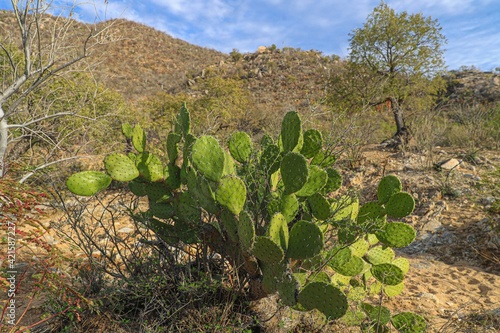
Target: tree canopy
[(395, 60)]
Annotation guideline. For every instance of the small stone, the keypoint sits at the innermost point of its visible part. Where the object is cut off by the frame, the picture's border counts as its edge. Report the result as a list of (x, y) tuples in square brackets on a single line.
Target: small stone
[(488, 201), (469, 175), (126, 230), (450, 164)]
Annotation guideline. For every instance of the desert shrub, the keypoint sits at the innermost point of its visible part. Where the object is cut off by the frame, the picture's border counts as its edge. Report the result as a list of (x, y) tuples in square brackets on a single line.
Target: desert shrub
[(271, 212)]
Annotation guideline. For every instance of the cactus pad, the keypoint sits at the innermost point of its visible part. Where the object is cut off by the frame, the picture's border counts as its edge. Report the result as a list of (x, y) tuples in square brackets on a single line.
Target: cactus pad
[(306, 240), (208, 157), (278, 230), (377, 314), (172, 174), (388, 274), (266, 250), (397, 234), (400, 205), (246, 231), (323, 159), (359, 248), (402, 263), (270, 159), (289, 207), (231, 193), (288, 289), (173, 140), (319, 206), (186, 208), (87, 183), (407, 322), (157, 192), (334, 181), (120, 167), (272, 274), (230, 224), (313, 142), (240, 146), (137, 188), (291, 131), (378, 255), (345, 208), (161, 210), (371, 211), (393, 291), (294, 172), (325, 297), (388, 186), (139, 138), (149, 166), (127, 130), (183, 121), (315, 182)]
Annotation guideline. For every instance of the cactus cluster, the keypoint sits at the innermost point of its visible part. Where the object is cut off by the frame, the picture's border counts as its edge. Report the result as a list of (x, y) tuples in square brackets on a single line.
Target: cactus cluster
[(273, 204)]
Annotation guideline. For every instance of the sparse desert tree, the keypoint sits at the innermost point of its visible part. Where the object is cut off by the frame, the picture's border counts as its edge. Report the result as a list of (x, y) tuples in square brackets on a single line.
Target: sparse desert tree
[(395, 60), (41, 48)]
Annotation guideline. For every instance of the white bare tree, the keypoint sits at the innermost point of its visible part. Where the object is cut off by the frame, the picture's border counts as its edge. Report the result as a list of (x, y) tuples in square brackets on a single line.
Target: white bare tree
[(47, 42)]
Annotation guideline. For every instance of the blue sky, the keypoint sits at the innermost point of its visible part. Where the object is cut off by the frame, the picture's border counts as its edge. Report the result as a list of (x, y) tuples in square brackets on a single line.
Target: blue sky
[(472, 27)]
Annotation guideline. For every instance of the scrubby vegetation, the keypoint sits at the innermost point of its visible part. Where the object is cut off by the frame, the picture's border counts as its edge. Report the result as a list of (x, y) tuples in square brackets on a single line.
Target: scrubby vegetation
[(240, 200)]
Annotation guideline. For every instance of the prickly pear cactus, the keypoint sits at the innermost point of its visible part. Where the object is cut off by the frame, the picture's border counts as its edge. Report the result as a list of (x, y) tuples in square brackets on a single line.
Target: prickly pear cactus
[(272, 209)]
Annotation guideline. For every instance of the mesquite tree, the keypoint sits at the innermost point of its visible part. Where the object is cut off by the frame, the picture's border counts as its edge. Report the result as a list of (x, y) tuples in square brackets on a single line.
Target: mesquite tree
[(398, 58)]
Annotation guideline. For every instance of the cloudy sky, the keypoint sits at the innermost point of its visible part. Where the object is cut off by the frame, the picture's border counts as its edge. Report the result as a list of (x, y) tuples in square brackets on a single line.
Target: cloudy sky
[(472, 27)]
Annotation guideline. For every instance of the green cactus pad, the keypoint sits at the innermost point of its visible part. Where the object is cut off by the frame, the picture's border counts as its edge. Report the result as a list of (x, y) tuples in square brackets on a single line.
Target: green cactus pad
[(372, 239), (289, 207), (294, 172), (157, 192), (137, 188), (266, 250), (127, 130), (240, 146), (208, 157), (265, 141), (183, 121), (165, 231), (400, 205), (291, 131), (231, 193), (278, 230), (270, 159), (356, 294), (328, 299), (230, 223), (229, 165), (388, 274), (315, 182), (340, 280), (388, 186), (319, 206), (393, 291), (120, 167), (185, 232), (313, 142), (377, 314), (378, 255), (402, 263), (246, 231), (150, 167), (288, 290), (87, 183), (343, 263), (306, 240), (186, 208), (353, 317), (139, 138), (397, 234), (360, 247), (173, 140), (323, 159), (272, 275), (334, 181), (172, 174), (345, 208), (371, 211), (407, 322), (161, 210)]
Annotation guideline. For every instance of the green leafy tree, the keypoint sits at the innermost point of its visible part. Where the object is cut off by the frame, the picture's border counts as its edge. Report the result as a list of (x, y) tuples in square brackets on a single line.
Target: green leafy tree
[(396, 60)]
